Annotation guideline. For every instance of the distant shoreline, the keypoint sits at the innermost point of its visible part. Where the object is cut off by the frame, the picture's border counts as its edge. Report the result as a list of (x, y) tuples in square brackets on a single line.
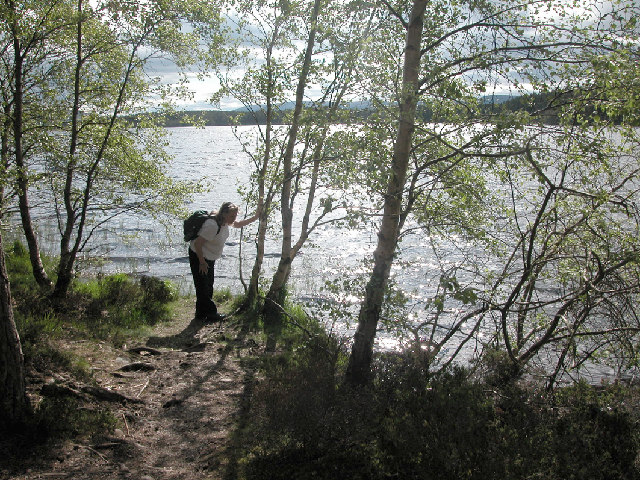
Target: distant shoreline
[(217, 118), (541, 106)]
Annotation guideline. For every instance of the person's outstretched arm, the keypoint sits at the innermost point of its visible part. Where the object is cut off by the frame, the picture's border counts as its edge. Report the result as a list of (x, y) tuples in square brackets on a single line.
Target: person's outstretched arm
[(246, 221)]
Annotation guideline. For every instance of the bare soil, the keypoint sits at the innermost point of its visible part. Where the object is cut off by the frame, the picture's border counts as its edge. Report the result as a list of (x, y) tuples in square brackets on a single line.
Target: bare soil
[(179, 395)]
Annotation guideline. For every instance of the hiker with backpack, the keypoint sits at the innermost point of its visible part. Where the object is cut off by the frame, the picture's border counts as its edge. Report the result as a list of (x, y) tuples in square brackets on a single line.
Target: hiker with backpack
[(207, 233)]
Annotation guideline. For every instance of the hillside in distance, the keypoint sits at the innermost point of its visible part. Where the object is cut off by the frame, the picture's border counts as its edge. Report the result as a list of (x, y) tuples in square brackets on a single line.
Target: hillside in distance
[(543, 106)]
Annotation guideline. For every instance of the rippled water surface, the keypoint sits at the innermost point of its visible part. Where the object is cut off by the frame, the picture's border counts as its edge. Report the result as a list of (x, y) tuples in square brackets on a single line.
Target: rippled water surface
[(214, 154)]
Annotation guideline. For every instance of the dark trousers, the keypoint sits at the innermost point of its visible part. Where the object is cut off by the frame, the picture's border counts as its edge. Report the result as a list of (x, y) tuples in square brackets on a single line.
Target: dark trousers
[(204, 286)]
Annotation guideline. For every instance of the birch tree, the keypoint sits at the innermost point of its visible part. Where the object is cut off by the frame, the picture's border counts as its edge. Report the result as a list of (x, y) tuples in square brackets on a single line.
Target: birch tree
[(28, 29), (361, 354), (262, 90), (94, 164), (14, 403), (291, 161), (467, 49)]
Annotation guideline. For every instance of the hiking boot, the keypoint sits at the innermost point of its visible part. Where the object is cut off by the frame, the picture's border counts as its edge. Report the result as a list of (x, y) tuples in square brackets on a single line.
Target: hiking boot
[(215, 318)]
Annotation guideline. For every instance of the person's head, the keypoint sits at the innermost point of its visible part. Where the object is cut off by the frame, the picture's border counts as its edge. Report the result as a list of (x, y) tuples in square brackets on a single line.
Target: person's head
[(227, 213)]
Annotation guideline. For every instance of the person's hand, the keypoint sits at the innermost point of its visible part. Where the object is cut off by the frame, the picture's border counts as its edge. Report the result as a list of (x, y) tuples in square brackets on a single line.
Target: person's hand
[(204, 267)]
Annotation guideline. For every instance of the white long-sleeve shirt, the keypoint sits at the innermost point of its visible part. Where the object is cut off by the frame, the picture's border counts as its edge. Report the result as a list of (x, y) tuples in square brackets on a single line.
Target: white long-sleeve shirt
[(214, 240)]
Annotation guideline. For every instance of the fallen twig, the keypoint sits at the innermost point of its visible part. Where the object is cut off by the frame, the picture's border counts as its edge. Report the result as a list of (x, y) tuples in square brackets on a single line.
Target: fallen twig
[(126, 424), (143, 387)]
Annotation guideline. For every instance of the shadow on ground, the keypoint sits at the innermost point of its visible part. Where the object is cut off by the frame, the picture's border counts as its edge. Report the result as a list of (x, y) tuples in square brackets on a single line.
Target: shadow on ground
[(184, 339)]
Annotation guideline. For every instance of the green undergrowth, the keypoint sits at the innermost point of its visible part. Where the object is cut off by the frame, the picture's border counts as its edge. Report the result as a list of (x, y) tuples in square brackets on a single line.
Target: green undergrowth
[(113, 308), (225, 299), (304, 422), (120, 304)]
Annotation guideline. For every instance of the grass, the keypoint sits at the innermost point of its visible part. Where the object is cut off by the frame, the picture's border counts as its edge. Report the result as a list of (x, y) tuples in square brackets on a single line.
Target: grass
[(112, 308), (302, 421)]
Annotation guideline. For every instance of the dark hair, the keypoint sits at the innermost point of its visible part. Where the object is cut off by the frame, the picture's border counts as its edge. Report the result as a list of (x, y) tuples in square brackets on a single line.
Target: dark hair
[(224, 208)]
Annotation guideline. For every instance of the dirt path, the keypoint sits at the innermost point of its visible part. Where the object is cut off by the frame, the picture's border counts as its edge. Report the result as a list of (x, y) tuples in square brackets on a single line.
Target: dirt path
[(187, 386)]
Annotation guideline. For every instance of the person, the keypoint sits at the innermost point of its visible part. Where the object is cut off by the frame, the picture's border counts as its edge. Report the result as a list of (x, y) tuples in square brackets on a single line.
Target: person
[(204, 250)]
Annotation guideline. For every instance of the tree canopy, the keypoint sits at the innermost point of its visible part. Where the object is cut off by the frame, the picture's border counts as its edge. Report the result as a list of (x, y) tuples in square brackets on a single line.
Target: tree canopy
[(528, 208)]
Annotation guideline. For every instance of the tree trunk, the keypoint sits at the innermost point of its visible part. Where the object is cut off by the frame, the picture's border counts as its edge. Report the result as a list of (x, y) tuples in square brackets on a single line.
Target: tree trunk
[(271, 311), (252, 293), (65, 274), (253, 290), (76, 219), (359, 367), (272, 308), (39, 272), (14, 403)]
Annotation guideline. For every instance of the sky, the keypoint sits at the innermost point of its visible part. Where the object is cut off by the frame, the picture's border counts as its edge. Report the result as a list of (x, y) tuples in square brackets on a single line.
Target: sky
[(203, 89)]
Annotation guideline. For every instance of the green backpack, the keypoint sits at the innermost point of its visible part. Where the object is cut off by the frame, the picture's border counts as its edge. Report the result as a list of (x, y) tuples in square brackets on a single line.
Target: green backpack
[(193, 224)]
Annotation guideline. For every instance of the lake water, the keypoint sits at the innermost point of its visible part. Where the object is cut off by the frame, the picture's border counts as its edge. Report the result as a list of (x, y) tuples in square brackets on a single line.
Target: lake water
[(332, 253), (215, 154)]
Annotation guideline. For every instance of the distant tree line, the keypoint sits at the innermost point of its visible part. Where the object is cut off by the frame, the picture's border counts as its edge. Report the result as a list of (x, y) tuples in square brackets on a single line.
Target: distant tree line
[(543, 107)]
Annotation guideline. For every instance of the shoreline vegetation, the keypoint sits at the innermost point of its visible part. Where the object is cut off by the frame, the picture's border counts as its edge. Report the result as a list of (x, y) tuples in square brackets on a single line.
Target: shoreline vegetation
[(516, 218), (291, 415)]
